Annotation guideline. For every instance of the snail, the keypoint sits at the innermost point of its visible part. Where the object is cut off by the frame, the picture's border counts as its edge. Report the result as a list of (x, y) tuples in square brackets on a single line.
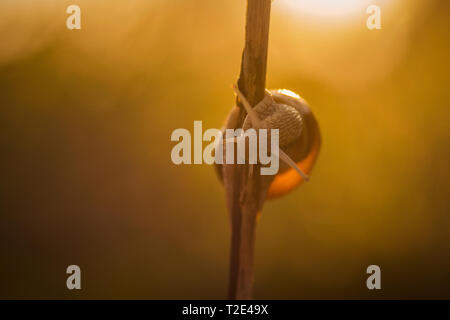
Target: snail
[(299, 136)]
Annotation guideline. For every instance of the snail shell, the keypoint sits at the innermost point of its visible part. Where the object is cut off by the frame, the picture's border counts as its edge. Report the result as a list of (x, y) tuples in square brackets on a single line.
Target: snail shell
[(299, 136), (303, 148)]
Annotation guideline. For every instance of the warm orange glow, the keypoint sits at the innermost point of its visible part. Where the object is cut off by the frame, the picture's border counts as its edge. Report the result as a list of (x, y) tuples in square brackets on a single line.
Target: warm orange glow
[(327, 8), (287, 181)]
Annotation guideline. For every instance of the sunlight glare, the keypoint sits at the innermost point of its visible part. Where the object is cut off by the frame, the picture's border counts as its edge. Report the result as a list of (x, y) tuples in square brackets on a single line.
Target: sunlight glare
[(327, 8)]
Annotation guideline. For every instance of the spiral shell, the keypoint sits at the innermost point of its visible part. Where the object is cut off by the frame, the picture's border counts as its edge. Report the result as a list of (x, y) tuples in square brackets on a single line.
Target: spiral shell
[(304, 149), (299, 135)]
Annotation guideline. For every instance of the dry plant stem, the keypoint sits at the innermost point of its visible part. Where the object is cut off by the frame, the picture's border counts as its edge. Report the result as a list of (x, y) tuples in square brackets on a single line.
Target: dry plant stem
[(242, 184)]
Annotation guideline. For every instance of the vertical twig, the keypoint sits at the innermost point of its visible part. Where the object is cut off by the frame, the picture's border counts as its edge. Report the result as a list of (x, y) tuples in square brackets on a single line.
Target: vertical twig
[(242, 185)]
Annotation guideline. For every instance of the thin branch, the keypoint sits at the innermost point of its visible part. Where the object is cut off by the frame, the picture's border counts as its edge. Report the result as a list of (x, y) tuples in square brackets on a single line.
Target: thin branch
[(242, 184)]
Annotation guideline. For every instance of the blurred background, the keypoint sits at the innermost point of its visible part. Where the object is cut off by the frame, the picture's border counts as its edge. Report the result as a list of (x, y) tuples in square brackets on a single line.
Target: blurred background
[(87, 179)]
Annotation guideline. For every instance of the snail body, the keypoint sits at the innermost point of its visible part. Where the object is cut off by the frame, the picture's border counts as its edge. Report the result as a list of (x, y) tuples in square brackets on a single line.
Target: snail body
[(299, 136)]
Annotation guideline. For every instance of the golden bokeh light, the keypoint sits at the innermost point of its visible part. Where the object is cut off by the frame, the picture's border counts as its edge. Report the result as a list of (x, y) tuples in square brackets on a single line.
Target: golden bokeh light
[(327, 8)]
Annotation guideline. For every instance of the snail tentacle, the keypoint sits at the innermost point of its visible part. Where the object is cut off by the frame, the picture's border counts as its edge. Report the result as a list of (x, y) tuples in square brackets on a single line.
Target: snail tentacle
[(258, 123)]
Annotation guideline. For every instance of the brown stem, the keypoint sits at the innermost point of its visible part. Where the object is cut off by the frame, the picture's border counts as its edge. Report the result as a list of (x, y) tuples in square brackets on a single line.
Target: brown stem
[(242, 185)]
